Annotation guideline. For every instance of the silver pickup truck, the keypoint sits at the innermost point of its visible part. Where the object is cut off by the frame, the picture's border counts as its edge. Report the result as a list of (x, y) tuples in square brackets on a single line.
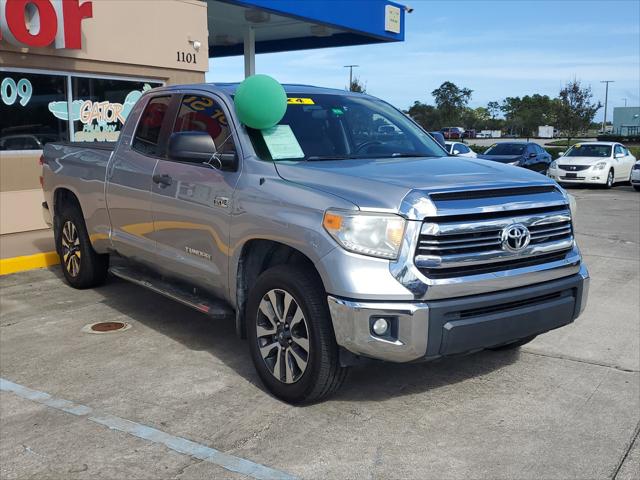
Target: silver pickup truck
[(343, 234)]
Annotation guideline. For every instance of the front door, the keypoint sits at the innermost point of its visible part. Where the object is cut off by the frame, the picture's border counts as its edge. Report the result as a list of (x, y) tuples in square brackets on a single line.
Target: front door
[(191, 202), (129, 179)]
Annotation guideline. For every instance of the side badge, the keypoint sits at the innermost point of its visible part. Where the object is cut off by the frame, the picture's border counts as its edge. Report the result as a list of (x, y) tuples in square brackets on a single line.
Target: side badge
[(222, 202)]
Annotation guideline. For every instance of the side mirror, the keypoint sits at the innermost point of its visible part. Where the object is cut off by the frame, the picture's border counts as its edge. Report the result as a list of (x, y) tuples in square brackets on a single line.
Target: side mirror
[(532, 155), (198, 147), (619, 155), (456, 152)]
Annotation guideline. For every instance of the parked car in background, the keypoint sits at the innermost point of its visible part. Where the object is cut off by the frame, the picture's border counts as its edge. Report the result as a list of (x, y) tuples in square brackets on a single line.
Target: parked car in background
[(489, 134), (452, 132), (635, 176), (459, 149), (20, 142), (438, 137), (528, 155), (601, 163), (469, 134)]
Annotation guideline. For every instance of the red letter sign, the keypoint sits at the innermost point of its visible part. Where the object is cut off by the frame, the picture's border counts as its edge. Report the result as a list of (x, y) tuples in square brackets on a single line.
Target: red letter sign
[(45, 16), (73, 15), (39, 23)]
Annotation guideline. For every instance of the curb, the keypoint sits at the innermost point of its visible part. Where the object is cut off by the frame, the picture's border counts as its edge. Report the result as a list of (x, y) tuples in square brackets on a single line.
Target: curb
[(28, 262)]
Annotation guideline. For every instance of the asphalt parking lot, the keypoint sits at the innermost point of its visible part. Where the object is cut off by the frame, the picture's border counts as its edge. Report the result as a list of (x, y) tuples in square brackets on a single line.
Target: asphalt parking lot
[(565, 406)]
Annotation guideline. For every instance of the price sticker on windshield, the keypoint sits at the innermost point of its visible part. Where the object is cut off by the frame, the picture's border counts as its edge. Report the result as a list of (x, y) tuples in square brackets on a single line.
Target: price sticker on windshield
[(300, 101)]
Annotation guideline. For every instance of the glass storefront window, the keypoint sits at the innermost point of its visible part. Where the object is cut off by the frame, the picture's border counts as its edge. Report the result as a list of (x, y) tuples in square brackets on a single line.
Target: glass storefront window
[(26, 121), (34, 108), (100, 106)]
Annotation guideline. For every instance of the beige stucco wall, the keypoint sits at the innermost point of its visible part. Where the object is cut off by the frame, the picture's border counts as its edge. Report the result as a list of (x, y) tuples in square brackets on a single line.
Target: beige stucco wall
[(138, 32), (125, 38)]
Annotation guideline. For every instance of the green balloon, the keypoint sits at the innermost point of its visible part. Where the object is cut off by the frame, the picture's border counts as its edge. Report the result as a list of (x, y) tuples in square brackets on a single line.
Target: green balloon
[(260, 102)]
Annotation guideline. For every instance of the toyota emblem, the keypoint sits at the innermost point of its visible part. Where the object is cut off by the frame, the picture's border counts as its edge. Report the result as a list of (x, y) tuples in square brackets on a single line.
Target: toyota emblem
[(515, 237)]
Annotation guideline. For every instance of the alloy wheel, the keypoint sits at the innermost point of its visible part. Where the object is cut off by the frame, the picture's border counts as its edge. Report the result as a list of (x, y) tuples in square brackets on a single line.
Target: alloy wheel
[(283, 336), (71, 248), (610, 179)]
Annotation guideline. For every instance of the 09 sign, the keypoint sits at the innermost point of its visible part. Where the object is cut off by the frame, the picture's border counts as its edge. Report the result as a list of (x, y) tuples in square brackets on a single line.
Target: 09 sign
[(40, 23), (10, 91)]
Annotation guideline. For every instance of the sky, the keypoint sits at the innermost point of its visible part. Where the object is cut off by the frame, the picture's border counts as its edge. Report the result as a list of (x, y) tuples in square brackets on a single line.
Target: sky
[(496, 48)]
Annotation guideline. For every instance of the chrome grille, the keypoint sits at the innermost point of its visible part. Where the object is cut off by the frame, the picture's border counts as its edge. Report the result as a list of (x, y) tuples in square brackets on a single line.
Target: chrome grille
[(458, 246), (573, 168)]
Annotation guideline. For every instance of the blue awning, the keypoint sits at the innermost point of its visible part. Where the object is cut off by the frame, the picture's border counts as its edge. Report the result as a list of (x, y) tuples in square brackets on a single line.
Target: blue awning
[(285, 25)]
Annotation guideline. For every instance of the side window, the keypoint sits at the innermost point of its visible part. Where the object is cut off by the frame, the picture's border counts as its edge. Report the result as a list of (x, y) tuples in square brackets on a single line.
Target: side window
[(619, 150), (203, 114), (462, 148), (147, 135)]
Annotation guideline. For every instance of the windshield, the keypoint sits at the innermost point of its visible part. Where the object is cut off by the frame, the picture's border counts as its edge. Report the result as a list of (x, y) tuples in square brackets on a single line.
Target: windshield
[(506, 149), (589, 151), (337, 127)]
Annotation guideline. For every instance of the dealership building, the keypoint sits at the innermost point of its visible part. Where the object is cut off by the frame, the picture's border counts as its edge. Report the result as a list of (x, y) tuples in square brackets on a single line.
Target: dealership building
[(71, 70)]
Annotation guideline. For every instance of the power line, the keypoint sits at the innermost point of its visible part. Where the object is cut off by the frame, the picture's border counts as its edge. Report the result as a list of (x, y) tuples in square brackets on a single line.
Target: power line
[(606, 99), (351, 67)]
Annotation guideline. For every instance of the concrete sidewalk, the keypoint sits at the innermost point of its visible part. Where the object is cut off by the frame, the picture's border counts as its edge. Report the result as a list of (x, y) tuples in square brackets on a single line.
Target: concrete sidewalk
[(26, 243)]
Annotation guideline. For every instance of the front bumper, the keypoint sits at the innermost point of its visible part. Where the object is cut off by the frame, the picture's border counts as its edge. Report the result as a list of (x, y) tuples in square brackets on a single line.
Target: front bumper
[(588, 176), (428, 330)]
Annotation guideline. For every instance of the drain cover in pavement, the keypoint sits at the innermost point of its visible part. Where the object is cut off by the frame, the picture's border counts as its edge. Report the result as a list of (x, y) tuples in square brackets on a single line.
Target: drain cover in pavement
[(106, 327)]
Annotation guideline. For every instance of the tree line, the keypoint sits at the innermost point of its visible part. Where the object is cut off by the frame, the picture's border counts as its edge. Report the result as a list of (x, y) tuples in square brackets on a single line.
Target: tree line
[(571, 112)]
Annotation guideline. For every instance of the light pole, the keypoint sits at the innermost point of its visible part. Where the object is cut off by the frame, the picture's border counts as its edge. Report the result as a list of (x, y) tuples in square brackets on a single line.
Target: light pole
[(606, 99), (625, 101), (351, 67)]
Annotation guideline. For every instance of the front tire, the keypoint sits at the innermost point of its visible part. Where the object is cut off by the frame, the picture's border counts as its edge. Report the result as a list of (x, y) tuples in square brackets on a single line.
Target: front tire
[(81, 265), (636, 188), (290, 334), (609, 183)]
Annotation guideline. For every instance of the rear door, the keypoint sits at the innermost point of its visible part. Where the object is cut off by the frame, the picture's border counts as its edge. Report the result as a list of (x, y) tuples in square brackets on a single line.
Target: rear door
[(623, 163), (129, 182), (544, 159), (192, 205)]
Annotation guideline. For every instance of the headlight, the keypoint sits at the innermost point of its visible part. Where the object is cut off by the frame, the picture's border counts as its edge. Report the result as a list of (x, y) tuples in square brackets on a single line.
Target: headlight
[(553, 164), (573, 206), (600, 166), (376, 235)]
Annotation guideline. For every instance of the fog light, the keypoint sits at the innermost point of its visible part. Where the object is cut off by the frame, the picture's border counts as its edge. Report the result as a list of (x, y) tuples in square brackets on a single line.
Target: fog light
[(380, 326)]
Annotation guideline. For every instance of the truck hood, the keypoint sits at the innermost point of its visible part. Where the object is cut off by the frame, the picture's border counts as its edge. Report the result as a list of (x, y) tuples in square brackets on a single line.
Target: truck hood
[(383, 183)]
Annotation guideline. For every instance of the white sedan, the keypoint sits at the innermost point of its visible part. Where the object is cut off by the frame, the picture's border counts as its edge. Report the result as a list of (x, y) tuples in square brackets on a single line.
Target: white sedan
[(635, 176), (459, 149), (603, 163)]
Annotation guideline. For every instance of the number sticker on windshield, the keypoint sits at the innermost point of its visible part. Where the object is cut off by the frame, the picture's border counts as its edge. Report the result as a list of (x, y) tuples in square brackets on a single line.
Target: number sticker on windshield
[(300, 101)]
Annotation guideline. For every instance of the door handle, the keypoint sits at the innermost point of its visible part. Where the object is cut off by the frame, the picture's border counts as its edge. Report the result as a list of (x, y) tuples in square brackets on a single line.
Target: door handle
[(163, 179)]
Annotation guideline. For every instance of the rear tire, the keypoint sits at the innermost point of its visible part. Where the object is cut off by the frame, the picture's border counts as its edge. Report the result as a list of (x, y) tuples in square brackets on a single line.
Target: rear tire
[(636, 188), (81, 265), (292, 343), (513, 345)]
